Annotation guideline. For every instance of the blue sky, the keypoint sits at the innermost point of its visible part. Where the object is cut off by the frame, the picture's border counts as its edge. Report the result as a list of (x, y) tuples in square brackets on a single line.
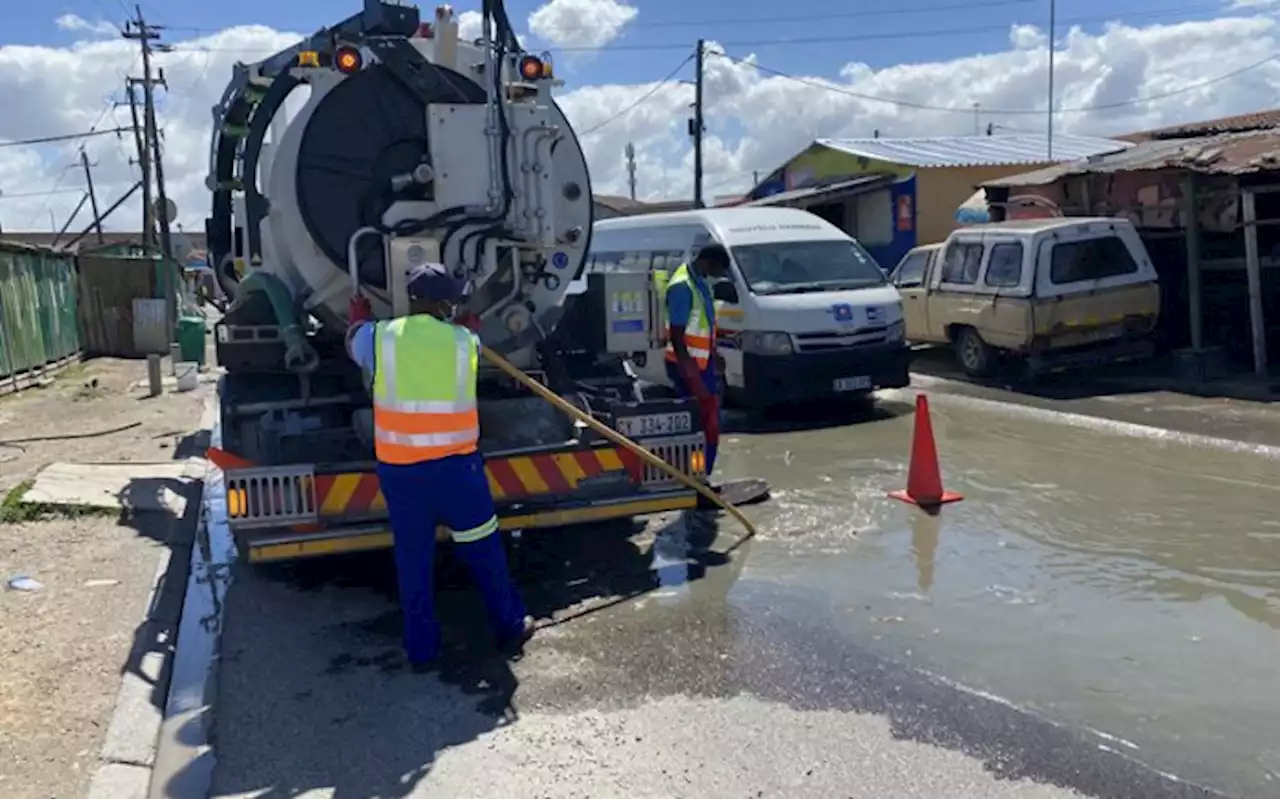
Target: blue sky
[(879, 32)]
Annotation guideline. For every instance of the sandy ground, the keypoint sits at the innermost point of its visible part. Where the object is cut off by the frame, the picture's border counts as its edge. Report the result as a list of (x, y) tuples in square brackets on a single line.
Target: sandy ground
[(64, 647), (95, 396)]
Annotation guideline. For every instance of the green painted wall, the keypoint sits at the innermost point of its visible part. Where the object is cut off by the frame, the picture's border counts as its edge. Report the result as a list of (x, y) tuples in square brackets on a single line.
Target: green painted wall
[(821, 163), (37, 308)]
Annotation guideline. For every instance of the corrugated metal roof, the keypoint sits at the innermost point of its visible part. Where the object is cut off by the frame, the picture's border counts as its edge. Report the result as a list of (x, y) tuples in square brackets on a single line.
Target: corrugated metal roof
[(1257, 120), (1001, 149), (1225, 154), (863, 183)]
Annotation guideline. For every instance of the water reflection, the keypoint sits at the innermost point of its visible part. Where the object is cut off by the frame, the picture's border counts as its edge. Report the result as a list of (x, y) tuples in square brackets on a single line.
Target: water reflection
[(924, 547)]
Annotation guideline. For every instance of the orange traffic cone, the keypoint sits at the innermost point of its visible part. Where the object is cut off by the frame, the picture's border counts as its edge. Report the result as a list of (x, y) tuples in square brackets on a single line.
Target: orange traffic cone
[(924, 477)]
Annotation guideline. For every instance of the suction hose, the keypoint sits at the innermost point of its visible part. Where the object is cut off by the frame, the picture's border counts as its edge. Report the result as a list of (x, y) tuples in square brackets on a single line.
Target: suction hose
[(299, 356), (645, 455)]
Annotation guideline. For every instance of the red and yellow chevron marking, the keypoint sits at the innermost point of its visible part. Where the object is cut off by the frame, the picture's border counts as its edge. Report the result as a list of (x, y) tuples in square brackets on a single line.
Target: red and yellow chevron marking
[(531, 475), (354, 493)]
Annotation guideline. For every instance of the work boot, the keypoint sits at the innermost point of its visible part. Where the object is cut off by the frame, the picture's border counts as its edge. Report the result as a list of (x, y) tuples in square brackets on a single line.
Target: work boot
[(512, 644)]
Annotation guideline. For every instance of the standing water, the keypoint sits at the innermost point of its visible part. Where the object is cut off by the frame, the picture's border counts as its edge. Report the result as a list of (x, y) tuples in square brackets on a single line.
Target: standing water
[(1117, 583)]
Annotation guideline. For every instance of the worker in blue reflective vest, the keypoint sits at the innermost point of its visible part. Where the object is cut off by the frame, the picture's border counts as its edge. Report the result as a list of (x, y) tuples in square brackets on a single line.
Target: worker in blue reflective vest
[(692, 361), (426, 434)]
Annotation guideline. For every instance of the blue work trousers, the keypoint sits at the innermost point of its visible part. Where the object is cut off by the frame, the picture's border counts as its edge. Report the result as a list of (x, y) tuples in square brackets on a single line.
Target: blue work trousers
[(709, 380), (453, 492)]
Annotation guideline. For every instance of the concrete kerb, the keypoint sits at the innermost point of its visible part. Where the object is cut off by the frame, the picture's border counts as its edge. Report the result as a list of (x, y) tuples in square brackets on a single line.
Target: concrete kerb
[(130, 749), (184, 755)]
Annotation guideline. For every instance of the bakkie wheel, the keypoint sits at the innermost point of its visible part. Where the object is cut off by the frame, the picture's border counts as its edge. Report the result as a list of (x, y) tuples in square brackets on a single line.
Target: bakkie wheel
[(977, 357)]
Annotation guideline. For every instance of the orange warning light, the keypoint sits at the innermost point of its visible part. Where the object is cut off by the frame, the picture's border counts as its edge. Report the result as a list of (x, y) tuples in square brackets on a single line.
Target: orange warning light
[(531, 67), (308, 58), (348, 60)]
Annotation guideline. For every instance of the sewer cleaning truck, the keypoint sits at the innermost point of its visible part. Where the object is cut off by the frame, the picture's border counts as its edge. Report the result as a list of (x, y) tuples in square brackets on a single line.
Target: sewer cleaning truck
[(338, 165)]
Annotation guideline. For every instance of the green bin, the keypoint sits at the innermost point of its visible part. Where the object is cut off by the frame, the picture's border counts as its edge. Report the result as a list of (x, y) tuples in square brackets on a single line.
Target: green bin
[(191, 341)]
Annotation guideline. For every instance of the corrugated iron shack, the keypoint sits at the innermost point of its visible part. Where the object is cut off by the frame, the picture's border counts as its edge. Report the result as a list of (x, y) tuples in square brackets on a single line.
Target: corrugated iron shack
[(1208, 207)]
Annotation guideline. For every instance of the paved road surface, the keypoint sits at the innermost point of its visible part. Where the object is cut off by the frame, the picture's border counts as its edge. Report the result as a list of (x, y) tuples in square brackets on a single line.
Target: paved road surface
[(1086, 577)]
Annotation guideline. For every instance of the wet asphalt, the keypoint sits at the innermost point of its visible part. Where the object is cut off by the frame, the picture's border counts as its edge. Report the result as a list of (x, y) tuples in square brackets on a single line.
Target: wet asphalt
[(675, 660)]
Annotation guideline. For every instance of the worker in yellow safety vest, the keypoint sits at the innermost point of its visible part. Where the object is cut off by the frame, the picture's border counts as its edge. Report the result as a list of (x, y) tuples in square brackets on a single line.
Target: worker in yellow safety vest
[(691, 359), (426, 431)]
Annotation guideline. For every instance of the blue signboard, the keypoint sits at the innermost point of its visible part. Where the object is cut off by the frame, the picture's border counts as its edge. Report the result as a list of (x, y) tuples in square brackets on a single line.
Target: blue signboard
[(560, 260)]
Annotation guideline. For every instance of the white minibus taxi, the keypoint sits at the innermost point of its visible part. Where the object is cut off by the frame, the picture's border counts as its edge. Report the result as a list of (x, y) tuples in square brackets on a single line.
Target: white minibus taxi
[(807, 313)]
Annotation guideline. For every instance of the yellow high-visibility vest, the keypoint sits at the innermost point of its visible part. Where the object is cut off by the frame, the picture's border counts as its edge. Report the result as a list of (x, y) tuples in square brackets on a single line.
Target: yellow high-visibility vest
[(424, 390), (700, 332)]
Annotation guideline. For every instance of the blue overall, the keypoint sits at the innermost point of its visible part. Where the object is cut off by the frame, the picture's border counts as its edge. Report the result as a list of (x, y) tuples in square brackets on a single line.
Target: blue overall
[(453, 492), (679, 304)]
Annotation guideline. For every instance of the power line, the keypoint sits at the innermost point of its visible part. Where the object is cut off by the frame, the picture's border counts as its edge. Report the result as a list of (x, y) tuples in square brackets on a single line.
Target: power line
[(968, 109), (9, 195), (641, 100), (783, 41), (65, 137), (879, 12)]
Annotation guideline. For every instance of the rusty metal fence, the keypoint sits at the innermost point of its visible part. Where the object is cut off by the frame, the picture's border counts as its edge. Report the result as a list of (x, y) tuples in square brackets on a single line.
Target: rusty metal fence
[(38, 330)]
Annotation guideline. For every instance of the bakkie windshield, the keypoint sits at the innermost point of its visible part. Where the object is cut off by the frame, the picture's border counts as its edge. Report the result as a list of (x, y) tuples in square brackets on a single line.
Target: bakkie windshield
[(797, 267)]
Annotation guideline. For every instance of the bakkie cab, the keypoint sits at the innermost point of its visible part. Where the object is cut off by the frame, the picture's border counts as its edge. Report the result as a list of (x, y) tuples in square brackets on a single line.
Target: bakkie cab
[(1053, 293)]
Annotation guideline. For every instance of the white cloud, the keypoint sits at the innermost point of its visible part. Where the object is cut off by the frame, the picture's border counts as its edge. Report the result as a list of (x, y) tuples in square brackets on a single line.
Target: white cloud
[(1026, 37), (72, 22), (581, 23), (65, 90), (471, 27)]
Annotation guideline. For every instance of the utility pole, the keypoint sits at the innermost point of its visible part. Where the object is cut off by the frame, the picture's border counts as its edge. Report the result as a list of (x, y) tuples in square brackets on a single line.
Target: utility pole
[(1053, 18), (146, 34), (631, 169), (93, 198), (144, 164), (696, 129)]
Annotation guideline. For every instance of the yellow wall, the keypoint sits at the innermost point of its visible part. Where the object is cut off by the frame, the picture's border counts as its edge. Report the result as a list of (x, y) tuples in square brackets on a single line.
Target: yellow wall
[(941, 190)]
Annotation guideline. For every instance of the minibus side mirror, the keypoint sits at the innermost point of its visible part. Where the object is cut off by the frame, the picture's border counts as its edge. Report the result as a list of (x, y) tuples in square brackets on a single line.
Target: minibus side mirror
[(724, 291)]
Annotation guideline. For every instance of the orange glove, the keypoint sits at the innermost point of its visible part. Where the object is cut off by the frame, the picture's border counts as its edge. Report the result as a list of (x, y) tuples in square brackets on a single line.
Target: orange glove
[(470, 321), (358, 310), (693, 381), (710, 412)]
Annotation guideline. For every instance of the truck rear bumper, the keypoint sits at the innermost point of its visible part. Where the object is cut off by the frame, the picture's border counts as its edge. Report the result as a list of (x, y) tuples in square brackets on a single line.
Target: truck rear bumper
[(265, 546)]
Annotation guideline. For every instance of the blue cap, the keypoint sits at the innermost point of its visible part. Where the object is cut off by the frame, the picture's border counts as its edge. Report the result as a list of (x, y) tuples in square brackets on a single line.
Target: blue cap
[(433, 282)]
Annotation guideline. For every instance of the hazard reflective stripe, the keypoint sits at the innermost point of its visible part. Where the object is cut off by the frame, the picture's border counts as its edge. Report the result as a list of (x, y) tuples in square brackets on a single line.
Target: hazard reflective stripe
[(699, 331), (428, 439), (424, 397), (475, 533)]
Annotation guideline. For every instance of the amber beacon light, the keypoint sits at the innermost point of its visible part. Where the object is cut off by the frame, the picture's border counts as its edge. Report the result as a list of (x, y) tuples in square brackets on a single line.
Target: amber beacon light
[(348, 60), (531, 68)]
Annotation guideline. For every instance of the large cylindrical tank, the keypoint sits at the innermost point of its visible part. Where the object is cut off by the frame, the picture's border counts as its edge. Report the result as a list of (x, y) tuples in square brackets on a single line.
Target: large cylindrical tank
[(330, 170)]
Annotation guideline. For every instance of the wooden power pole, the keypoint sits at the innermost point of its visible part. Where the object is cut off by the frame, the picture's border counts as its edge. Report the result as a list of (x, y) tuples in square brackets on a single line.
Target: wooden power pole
[(93, 198), (696, 129), (631, 169), (144, 164), (145, 34)]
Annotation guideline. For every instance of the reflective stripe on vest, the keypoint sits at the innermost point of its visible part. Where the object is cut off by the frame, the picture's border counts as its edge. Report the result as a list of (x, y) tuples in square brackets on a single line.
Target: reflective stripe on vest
[(699, 333), (424, 390)]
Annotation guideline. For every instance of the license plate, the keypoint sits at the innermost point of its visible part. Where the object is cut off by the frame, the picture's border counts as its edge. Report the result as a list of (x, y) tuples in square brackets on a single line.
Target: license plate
[(853, 384), (656, 424)]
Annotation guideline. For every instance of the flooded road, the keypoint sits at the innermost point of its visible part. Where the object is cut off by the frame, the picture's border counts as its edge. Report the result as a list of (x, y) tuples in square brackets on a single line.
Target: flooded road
[(1117, 583), (1097, 601)]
